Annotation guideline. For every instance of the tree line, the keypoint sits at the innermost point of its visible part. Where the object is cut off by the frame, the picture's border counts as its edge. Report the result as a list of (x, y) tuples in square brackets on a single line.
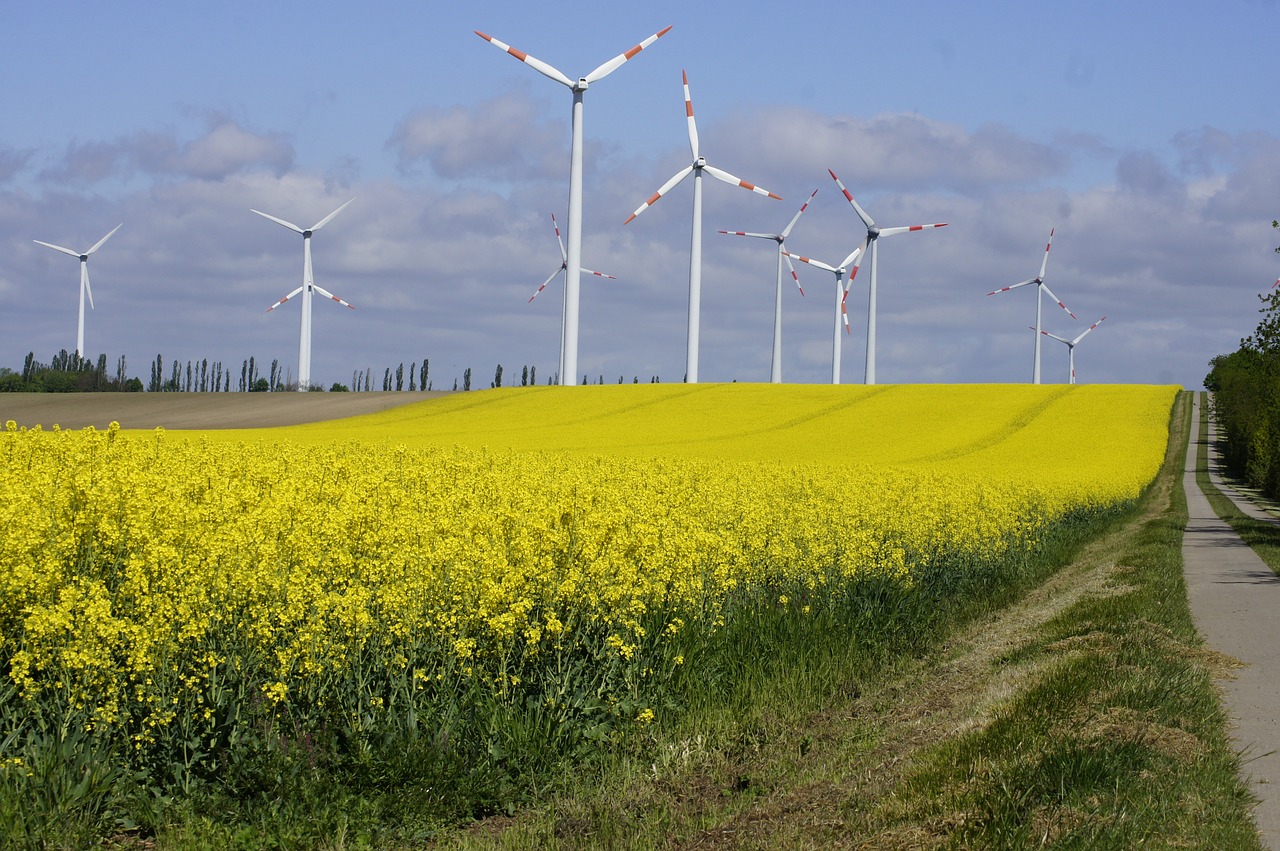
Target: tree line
[(1246, 400), (70, 373)]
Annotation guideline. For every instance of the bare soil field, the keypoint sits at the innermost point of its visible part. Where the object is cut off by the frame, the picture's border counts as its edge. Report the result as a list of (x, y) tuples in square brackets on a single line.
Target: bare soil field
[(194, 410)]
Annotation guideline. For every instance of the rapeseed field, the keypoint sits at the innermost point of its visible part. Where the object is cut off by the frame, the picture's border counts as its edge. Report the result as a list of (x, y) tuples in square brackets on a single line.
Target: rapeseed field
[(201, 603)]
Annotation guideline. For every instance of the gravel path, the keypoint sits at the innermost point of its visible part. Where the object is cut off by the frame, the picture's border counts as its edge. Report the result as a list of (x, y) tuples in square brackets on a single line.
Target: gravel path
[(1235, 600)]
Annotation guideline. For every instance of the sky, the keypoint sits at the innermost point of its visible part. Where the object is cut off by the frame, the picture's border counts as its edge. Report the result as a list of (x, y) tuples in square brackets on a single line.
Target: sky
[(1145, 135)]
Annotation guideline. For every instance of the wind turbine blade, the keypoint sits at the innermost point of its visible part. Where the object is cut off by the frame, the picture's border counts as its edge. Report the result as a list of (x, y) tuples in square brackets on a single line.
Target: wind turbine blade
[(598, 274), (774, 236), (331, 296), (862, 214), (564, 258), (1054, 336), (547, 281), (729, 178), (794, 276), (787, 230), (1273, 286), (1085, 332), (1014, 287), (844, 313), (857, 252), (810, 261), (1059, 301), (688, 112), (1044, 264), (75, 254), (329, 217), (536, 64), (100, 242), (612, 65), (290, 225), (88, 290), (861, 252), (283, 300), (666, 187), (892, 231)]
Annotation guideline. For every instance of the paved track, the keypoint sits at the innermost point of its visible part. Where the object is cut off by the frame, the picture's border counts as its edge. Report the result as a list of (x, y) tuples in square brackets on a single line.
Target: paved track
[(1235, 600)]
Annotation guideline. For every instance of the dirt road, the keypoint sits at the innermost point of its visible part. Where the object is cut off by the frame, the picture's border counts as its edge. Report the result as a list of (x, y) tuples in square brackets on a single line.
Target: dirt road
[(193, 410)]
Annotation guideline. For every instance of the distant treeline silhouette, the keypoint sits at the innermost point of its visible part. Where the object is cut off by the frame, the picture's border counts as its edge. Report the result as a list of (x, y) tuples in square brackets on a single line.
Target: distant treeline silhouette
[(70, 373)]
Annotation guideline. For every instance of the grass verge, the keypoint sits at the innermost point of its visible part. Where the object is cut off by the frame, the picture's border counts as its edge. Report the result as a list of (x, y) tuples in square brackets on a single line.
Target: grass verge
[(1261, 535), (1082, 715)]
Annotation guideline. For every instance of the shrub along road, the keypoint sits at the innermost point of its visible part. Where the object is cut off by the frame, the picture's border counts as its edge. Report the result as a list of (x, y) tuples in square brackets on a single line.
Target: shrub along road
[(1234, 599)]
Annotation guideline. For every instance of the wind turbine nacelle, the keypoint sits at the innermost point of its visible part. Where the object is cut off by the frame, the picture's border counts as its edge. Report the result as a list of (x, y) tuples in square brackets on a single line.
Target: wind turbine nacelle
[(581, 85), (700, 162)]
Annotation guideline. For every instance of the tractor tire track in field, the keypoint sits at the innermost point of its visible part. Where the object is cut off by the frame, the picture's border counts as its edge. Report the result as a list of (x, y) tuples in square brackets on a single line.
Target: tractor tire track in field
[(825, 411), (1002, 432)]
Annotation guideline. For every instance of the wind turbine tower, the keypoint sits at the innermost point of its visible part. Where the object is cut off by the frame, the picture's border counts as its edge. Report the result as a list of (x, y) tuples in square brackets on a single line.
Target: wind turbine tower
[(84, 281), (871, 244), (1071, 347), (775, 368), (308, 284), (564, 267), (842, 297), (698, 166), (573, 272), (1038, 280)]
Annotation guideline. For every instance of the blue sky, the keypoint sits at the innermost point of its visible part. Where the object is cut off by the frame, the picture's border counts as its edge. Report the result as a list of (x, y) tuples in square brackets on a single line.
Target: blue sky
[(1145, 133)]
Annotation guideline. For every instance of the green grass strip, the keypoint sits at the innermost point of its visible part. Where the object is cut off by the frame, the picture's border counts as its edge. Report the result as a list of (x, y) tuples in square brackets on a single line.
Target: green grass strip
[(1120, 742)]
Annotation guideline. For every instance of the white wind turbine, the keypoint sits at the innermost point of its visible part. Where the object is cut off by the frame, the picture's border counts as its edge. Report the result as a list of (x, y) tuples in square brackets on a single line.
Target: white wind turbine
[(308, 284), (775, 370), (842, 295), (1071, 346), (573, 271), (871, 243), (84, 280), (564, 267), (1038, 280), (698, 166)]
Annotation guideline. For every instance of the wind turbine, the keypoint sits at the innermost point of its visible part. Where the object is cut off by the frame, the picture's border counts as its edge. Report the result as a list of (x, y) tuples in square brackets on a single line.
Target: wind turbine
[(1038, 280), (871, 243), (1071, 346), (84, 280), (698, 166), (573, 258), (308, 284), (842, 294), (564, 267), (775, 370)]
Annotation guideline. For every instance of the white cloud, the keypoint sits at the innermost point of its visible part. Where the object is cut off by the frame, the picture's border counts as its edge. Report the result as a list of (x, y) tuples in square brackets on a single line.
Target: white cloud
[(1173, 252), (225, 149), (893, 150), (505, 137)]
